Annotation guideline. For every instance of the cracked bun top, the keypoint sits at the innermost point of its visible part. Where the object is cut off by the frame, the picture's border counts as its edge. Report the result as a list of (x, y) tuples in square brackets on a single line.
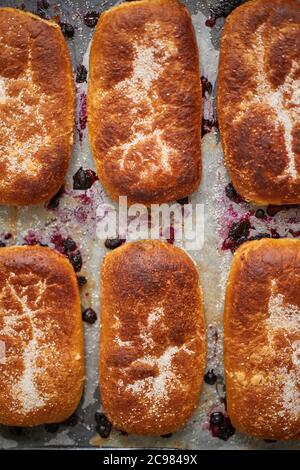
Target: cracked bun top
[(262, 339), (36, 108), (41, 338), (259, 100), (152, 355), (144, 102)]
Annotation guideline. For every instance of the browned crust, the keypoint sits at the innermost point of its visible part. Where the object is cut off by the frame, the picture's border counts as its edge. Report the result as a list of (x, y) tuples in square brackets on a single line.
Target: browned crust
[(138, 279), (259, 58), (172, 102), (36, 106), (40, 325), (261, 330)]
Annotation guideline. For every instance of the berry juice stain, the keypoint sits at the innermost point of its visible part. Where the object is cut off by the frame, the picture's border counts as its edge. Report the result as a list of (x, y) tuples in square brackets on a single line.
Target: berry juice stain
[(81, 119)]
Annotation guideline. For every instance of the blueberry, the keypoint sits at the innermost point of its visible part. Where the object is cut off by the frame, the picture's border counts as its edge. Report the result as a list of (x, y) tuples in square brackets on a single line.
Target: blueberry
[(167, 435), (54, 201), (52, 427), (84, 179), (76, 260), (91, 19), (183, 201), (226, 430), (81, 281), (216, 419), (71, 421), (239, 229), (273, 210), (81, 74), (112, 243), (2, 245), (89, 315), (210, 377), (260, 214), (67, 29), (232, 194), (43, 4), (7, 236), (103, 426), (69, 244), (206, 86)]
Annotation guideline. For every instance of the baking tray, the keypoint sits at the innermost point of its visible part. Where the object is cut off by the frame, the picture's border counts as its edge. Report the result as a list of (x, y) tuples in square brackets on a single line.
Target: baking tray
[(76, 217)]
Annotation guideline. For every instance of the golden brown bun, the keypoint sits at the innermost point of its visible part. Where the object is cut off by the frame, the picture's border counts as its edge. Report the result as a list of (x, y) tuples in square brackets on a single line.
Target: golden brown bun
[(144, 102), (41, 327), (258, 100), (36, 108), (152, 355), (262, 339)]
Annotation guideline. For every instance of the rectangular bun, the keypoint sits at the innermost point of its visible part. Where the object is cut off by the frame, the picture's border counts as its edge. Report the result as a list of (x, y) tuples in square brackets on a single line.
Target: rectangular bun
[(258, 100), (36, 107), (152, 355), (262, 339), (144, 102), (41, 337)]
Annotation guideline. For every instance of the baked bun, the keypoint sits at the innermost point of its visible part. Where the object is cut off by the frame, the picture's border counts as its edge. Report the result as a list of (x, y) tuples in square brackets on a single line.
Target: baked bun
[(36, 107), (144, 102), (262, 339), (258, 100), (152, 346), (41, 372)]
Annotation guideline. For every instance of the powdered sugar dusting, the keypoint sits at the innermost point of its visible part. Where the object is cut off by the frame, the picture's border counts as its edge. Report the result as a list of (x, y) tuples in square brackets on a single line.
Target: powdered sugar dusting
[(157, 388), (286, 317), (151, 56), (25, 388), (284, 101)]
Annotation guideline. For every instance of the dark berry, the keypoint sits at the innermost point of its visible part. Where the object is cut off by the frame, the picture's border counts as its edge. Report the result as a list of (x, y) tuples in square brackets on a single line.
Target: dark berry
[(91, 19), (210, 377), (89, 315), (239, 229), (226, 430), (67, 29), (112, 243), (76, 261), (84, 179), (54, 201), (71, 421), (81, 281), (167, 435), (274, 233), (269, 441), (183, 201), (206, 86), (221, 10), (216, 419), (207, 125), (7, 236), (103, 427), (2, 244), (273, 210), (260, 214), (69, 244), (43, 4), (52, 427), (232, 194), (210, 22), (81, 74)]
